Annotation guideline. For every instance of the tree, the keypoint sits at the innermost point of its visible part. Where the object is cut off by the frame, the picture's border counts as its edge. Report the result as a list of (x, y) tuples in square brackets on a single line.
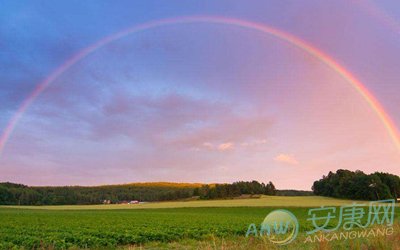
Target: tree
[(270, 189), (6, 197), (358, 185)]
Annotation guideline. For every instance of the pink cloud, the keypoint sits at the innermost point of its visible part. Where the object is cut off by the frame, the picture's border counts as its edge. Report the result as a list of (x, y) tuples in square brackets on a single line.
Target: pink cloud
[(225, 146), (286, 158)]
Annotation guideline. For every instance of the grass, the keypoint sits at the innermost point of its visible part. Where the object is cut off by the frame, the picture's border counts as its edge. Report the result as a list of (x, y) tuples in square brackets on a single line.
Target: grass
[(165, 225), (264, 201), (242, 243)]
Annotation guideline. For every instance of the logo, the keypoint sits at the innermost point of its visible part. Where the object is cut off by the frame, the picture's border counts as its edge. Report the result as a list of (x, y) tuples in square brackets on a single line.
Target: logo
[(280, 227)]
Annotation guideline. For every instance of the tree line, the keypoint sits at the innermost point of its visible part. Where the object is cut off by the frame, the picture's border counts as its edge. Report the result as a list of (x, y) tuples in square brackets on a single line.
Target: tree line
[(18, 194), (221, 191), (292, 192), (358, 185)]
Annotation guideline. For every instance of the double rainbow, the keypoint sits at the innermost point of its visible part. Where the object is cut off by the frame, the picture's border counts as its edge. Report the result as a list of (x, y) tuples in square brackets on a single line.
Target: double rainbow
[(289, 38)]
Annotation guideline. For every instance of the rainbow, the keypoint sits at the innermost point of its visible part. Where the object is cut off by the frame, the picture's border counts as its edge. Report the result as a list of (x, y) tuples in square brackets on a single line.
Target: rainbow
[(379, 14), (289, 38)]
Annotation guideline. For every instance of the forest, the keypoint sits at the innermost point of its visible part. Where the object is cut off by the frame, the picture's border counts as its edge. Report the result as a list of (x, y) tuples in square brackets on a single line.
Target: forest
[(18, 194), (342, 184), (358, 185)]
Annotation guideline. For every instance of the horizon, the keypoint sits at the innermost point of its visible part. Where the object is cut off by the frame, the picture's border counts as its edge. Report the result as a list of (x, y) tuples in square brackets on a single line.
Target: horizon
[(147, 183), (188, 94)]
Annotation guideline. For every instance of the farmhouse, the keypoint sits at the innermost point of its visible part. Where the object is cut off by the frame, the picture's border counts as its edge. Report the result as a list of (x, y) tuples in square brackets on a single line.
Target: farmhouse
[(129, 202)]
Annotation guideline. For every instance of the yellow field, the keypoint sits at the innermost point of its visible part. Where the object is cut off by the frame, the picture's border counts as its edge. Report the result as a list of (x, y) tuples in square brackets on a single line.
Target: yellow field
[(264, 201)]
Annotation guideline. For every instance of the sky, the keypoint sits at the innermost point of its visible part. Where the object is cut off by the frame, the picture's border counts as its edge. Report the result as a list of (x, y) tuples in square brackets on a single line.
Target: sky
[(196, 101)]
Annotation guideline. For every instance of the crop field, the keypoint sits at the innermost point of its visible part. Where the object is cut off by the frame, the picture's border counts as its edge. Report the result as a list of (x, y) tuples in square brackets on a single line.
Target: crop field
[(156, 227), (264, 201)]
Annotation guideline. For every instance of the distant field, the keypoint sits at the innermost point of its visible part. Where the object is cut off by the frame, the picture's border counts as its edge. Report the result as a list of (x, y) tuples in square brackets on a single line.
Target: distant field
[(165, 225), (264, 201)]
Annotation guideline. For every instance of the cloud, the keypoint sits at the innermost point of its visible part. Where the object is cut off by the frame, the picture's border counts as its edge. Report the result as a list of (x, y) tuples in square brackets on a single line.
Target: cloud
[(226, 128), (225, 146), (216, 147), (286, 158), (208, 145), (253, 143)]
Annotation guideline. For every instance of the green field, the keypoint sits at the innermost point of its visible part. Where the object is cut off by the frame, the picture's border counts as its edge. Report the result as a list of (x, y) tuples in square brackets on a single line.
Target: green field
[(194, 224), (264, 201)]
